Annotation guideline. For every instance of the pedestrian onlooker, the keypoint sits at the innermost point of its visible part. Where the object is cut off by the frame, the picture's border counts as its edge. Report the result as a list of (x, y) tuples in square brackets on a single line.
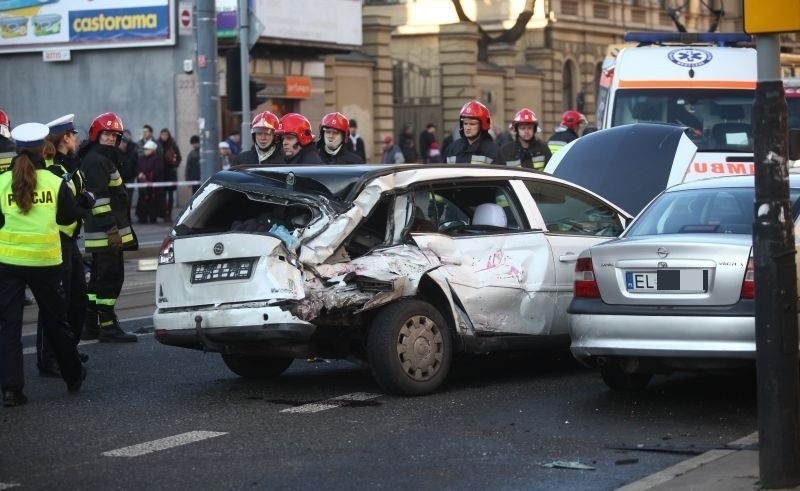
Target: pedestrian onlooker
[(108, 230), (150, 170), (225, 159), (128, 156), (192, 171), (266, 149), (334, 132), (172, 160), (356, 142), (475, 145), (234, 141), (30, 254), (526, 150), (391, 152), (6, 145), (407, 145), (298, 140), (426, 138), (147, 135)]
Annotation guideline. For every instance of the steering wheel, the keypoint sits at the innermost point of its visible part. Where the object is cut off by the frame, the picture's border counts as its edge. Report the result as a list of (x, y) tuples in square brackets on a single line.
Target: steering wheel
[(452, 225), (568, 225)]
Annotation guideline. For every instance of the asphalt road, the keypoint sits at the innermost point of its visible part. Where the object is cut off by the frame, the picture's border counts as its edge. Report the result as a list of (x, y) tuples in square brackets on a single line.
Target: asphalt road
[(152, 416)]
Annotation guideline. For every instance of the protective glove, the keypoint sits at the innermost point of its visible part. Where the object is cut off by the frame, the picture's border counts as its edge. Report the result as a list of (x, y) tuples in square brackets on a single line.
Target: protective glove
[(114, 240)]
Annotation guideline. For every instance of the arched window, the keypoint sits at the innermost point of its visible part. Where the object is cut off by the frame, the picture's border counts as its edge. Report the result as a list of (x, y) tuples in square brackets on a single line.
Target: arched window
[(568, 85)]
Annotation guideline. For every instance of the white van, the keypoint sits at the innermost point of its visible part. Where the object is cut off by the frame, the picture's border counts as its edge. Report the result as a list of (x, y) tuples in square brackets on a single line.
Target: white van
[(703, 81)]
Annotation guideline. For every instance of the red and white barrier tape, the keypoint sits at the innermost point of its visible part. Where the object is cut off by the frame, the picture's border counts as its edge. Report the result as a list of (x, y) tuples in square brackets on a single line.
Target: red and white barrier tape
[(134, 185)]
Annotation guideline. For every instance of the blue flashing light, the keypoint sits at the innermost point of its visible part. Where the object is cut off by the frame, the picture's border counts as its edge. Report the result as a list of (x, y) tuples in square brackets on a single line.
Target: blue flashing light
[(718, 38)]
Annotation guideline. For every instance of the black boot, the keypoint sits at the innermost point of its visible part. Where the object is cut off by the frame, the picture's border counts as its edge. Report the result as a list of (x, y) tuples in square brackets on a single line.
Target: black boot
[(90, 327), (110, 332), (13, 398)]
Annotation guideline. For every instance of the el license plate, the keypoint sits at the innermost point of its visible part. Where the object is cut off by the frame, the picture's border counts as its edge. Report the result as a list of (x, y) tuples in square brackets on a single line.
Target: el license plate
[(667, 281), (237, 269)]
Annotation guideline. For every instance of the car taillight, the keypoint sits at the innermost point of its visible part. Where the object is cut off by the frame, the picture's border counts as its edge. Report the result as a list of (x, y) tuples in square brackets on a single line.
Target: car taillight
[(749, 284), (166, 254), (585, 285)]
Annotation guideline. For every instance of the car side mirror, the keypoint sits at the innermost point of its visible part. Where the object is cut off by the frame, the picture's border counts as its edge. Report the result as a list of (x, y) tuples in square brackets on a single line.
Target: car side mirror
[(794, 143)]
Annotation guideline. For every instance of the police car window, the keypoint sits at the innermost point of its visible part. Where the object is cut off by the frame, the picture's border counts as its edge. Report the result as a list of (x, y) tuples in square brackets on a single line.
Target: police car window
[(571, 212), (471, 209)]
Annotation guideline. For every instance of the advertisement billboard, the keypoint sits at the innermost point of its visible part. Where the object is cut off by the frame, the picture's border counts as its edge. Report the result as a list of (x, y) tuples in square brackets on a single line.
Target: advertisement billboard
[(37, 25), (334, 21)]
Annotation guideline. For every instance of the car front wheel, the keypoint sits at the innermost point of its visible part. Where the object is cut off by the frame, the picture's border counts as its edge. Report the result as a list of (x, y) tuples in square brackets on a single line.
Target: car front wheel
[(257, 367), (618, 379), (409, 348)]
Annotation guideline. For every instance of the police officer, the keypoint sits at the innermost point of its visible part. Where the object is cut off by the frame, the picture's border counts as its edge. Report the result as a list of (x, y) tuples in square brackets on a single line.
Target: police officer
[(6, 145), (266, 149), (525, 150), (475, 145), (108, 230), (66, 165), (33, 203), (571, 122), (297, 140), (334, 132)]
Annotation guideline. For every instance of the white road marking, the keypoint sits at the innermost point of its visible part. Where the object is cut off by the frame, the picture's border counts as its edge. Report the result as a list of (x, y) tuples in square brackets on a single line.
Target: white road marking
[(162, 444), (32, 349), (331, 403), (8, 485)]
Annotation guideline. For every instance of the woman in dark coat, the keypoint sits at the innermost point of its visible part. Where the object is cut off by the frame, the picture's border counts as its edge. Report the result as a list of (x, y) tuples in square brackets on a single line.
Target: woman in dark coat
[(150, 168), (172, 160)]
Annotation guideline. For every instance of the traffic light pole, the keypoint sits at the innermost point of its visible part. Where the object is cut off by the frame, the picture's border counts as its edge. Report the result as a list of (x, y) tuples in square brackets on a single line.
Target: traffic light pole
[(206, 22), (775, 279), (244, 57)]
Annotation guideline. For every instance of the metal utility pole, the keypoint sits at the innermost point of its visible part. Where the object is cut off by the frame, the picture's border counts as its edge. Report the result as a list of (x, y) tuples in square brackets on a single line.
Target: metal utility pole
[(243, 16), (206, 22), (775, 279)]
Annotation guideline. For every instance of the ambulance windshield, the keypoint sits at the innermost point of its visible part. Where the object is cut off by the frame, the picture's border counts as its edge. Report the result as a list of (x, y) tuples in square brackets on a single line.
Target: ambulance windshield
[(716, 120)]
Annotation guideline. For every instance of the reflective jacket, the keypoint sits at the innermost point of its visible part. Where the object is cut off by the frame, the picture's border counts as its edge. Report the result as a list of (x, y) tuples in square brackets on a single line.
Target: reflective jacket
[(561, 138), (68, 168), (110, 210), (534, 157), (31, 239), (7, 152), (482, 151)]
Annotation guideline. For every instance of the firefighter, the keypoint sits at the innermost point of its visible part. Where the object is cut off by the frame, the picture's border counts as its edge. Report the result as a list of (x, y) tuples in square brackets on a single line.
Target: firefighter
[(6, 145), (66, 165), (266, 149), (571, 122), (525, 150), (334, 131), (297, 140), (108, 230), (475, 145), (33, 203)]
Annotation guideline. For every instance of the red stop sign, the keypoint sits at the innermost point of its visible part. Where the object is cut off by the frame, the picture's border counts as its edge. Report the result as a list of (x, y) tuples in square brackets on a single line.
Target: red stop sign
[(186, 18)]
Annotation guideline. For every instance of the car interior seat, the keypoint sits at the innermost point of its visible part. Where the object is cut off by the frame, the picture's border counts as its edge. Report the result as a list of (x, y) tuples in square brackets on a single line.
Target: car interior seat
[(490, 214), (732, 130)]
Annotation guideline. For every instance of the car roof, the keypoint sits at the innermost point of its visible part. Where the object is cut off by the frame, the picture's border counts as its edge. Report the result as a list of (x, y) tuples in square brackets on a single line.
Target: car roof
[(728, 182), (345, 182)]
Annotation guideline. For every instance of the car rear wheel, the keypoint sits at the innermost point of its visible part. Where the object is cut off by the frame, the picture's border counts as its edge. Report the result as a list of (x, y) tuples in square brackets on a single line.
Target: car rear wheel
[(409, 348), (618, 379), (257, 367)]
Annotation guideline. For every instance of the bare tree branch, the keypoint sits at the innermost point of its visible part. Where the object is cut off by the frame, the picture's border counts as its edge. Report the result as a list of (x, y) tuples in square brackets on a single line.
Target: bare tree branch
[(509, 36)]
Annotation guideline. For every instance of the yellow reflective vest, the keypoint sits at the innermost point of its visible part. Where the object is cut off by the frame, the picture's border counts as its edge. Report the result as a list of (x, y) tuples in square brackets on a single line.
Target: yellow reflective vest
[(30, 239)]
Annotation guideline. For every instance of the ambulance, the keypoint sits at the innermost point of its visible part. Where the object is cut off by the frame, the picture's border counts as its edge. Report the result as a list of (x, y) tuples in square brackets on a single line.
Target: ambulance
[(702, 81)]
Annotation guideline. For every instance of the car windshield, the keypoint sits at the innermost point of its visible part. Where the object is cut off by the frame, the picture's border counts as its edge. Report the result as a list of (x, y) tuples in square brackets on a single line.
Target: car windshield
[(717, 120), (708, 211)]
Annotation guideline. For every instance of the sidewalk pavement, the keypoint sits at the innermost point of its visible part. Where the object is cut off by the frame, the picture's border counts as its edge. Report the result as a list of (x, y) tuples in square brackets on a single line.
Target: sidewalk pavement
[(733, 469)]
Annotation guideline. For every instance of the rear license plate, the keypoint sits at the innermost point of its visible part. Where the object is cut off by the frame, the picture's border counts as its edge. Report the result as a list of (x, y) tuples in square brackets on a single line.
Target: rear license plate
[(237, 269), (668, 281)]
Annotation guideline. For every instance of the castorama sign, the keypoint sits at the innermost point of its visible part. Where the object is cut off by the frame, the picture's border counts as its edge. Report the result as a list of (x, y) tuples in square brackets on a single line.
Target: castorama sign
[(36, 25)]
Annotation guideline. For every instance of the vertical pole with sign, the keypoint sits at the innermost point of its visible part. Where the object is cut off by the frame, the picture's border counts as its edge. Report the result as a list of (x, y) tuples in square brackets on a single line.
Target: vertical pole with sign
[(244, 54), (206, 15), (774, 258)]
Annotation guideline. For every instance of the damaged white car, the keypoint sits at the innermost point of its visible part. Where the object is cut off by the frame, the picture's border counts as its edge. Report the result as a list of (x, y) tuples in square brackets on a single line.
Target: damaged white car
[(399, 266)]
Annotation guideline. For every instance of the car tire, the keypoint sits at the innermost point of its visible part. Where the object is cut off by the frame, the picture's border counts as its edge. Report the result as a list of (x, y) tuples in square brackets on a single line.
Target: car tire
[(256, 367), (618, 379), (409, 348)]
